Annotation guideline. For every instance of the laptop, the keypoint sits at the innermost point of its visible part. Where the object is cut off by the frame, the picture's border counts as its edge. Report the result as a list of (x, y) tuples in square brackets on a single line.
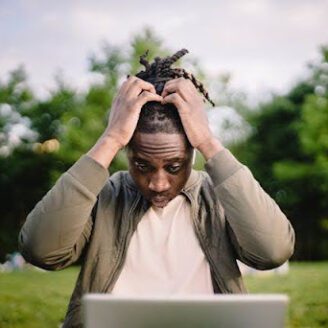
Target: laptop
[(226, 311)]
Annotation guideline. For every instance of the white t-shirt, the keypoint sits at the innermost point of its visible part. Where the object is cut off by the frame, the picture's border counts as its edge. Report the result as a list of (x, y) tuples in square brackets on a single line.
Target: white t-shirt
[(164, 256)]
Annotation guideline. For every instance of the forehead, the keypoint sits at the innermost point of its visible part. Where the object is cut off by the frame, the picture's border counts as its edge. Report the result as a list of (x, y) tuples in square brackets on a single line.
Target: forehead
[(159, 145)]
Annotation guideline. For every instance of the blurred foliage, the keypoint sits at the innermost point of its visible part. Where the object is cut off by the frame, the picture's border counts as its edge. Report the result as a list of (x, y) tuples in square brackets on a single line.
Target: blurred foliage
[(287, 150)]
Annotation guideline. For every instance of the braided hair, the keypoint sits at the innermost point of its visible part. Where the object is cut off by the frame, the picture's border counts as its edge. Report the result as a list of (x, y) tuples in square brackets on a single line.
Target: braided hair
[(160, 71), (154, 116)]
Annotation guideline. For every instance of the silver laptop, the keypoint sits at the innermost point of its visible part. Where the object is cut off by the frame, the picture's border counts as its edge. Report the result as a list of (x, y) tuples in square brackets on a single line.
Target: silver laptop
[(227, 311)]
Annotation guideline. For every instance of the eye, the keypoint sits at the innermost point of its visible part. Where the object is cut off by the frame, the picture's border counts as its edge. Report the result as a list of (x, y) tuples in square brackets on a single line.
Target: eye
[(174, 168), (142, 167)]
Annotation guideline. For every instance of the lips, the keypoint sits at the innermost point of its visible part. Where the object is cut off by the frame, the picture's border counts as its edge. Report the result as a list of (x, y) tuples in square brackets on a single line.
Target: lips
[(159, 201)]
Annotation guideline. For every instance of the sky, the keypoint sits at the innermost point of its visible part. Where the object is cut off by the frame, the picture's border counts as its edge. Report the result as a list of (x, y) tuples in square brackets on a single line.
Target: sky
[(264, 44)]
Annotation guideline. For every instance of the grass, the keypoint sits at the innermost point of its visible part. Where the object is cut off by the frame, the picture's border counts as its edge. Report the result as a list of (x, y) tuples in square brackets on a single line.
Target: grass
[(306, 284), (35, 299), (39, 299)]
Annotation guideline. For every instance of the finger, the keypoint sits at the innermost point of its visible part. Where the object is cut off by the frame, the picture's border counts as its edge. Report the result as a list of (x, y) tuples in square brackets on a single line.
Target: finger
[(181, 82), (174, 99), (122, 89), (180, 86), (147, 96), (136, 86), (169, 87)]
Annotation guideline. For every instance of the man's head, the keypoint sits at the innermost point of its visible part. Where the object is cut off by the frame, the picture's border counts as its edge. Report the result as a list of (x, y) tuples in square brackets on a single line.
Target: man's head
[(160, 165), (160, 155)]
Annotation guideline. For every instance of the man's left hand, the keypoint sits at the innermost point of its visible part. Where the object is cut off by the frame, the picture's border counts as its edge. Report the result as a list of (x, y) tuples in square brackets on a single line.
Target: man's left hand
[(182, 93)]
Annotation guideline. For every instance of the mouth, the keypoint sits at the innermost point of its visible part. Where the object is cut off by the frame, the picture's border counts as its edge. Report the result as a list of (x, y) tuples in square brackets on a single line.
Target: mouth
[(160, 201)]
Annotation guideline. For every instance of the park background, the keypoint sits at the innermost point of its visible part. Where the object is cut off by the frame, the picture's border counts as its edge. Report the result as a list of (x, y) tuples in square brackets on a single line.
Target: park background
[(265, 63)]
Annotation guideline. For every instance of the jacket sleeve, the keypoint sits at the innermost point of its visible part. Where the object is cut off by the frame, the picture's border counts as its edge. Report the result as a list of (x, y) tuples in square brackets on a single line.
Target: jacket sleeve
[(57, 229), (259, 231)]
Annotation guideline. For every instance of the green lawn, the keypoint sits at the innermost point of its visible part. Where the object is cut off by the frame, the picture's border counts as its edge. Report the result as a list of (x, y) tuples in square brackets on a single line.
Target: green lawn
[(39, 299), (306, 284)]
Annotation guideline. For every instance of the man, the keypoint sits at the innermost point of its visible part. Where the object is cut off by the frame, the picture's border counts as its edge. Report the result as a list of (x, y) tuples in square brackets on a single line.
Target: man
[(161, 227)]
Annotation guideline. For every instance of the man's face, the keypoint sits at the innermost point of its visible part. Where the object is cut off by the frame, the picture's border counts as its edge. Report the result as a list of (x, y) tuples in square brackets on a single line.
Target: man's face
[(160, 165)]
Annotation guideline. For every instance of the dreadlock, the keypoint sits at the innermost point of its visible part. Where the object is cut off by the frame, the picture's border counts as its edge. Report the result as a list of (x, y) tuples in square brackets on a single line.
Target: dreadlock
[(160, 71), (157, 117)]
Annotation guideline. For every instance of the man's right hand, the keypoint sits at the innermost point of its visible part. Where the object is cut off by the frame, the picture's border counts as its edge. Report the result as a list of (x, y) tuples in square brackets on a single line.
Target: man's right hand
[(124, 115), (123, 119)]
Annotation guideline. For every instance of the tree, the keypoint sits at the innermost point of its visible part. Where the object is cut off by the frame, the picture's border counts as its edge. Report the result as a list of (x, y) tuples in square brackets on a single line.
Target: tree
[(287, 152)]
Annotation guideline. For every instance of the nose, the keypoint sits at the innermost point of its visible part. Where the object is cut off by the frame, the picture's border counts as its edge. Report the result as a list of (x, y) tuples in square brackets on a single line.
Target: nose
[(159, 182)]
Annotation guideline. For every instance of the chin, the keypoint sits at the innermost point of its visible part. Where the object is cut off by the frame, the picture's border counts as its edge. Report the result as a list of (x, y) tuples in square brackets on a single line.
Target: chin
[(160, 204), (160, 201)]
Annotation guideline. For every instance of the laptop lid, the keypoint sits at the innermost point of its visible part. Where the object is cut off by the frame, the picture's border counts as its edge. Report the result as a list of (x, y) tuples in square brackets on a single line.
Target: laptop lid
[(228, 311)]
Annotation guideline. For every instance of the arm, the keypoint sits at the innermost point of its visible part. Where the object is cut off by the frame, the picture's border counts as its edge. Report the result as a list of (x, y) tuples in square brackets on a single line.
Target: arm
[(260, 233), (58, 228)]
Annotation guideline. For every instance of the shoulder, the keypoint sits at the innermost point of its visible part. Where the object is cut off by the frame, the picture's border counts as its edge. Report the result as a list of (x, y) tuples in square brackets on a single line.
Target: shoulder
[(205, 179), (199, 183), (118, 182)]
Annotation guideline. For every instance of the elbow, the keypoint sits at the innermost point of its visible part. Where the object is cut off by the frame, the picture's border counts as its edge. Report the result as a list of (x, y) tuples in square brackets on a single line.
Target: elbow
[(275, 259), (36, 256), (283, 248), (278, 249), (276, 255), (266, 260), (269, 255)]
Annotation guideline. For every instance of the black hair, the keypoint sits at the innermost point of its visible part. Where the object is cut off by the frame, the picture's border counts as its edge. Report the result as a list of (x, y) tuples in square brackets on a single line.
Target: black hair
[(157, 117)]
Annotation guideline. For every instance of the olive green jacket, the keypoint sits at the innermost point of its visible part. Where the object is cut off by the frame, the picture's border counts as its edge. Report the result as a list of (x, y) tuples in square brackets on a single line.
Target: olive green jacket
[(88, 215)]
